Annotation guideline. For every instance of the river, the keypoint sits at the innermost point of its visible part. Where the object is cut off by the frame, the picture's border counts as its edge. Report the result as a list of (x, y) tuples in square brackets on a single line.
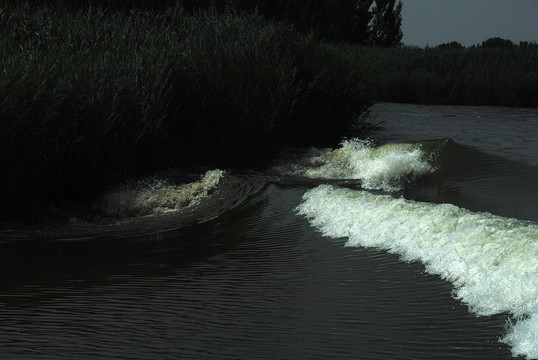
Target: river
[(419, 243)]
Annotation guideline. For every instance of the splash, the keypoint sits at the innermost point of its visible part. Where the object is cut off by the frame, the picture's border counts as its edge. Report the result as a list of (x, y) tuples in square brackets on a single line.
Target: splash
[(490, 260), (157, 196), (388, 167)]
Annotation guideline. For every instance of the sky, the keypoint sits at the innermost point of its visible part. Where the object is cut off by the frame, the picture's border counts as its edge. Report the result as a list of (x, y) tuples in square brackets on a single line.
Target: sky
[(433, 22)]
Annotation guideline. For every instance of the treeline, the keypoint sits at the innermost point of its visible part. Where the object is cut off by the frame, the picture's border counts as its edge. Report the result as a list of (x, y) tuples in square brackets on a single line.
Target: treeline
[(91, 97), (364, 22), (498, 76), (494, 42)]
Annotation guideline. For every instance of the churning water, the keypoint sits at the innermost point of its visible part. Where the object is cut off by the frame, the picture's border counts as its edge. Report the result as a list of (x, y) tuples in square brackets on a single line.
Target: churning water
[(419, 243)]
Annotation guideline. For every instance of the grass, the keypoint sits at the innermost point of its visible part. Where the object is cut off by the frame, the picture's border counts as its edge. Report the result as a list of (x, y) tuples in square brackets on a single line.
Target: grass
[(90, 96), (467, 76)]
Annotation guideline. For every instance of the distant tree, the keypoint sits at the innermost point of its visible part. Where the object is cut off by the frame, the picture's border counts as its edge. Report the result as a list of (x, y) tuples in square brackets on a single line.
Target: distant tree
[(386, 23), (497, 42), (451, 45), (527, 44)]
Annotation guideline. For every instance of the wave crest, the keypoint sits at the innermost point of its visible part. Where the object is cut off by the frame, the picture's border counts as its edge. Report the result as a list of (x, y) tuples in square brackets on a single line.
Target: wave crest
[(157, 196), (388, 167)]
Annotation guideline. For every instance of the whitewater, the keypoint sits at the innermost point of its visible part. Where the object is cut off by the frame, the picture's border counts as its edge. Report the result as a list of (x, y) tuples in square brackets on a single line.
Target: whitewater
[(492, 261)]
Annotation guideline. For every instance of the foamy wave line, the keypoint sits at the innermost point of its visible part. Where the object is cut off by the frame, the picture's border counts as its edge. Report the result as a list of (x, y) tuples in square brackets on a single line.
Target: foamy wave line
[(156, 197), (492, 261), (386, 168)]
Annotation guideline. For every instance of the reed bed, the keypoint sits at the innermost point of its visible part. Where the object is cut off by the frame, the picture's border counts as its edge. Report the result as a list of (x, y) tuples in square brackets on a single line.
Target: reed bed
[(466, 76), (91, 96)]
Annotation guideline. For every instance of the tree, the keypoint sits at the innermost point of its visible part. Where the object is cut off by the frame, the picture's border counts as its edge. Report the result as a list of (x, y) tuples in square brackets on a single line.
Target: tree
[(497, 42), (386, 23), (451, 45), (527, 44), (361, 31), (352, 20)]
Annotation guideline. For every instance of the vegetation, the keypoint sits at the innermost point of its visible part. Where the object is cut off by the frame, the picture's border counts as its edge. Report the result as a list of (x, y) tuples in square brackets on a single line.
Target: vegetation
[(92, 96), (364, 22), (496, 42), (452, 74), (386, 23)]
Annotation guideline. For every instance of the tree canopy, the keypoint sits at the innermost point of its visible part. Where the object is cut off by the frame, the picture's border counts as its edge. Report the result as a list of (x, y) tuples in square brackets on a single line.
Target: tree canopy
[(386, 23), (497, 42), (451, 45)]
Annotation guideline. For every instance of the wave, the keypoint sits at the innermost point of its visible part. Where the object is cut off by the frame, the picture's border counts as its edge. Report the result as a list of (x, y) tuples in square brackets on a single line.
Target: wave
[(388, 167), (438, 171), (156, 196), (490, 260), (144, 210)]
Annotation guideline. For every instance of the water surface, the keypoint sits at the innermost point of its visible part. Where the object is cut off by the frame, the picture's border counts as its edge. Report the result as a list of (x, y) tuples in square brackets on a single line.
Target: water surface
[(356, 275)]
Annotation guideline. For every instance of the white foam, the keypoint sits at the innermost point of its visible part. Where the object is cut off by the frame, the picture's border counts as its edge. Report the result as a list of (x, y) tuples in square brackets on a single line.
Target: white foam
[(157, 196), (523, 337), (492, 261), (386, 167)]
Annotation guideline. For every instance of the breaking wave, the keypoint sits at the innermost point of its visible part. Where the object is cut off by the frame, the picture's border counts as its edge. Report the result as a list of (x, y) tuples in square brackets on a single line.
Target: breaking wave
[(156, 196), (490, 260), (143, 210), (388, 167)]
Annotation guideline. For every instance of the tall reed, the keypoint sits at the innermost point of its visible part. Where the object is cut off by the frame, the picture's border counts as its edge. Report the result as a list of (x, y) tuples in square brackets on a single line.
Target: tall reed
[(91, 96), (467, 76)]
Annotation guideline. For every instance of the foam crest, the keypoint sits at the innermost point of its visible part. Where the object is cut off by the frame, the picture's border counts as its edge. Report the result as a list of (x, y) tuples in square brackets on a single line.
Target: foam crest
[(491, 260), (386, 168), (157, 196)]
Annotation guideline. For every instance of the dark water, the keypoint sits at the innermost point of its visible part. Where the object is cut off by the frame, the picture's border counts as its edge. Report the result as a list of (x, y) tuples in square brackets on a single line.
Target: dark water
[(243, 276)]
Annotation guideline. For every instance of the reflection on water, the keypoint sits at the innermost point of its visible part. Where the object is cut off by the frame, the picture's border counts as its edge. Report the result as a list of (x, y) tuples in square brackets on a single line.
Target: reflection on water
[(243, 276)]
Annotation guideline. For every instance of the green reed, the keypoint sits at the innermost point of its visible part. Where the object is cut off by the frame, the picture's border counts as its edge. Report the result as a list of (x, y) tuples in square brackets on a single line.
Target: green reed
[(468, 76), (92, 96)]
